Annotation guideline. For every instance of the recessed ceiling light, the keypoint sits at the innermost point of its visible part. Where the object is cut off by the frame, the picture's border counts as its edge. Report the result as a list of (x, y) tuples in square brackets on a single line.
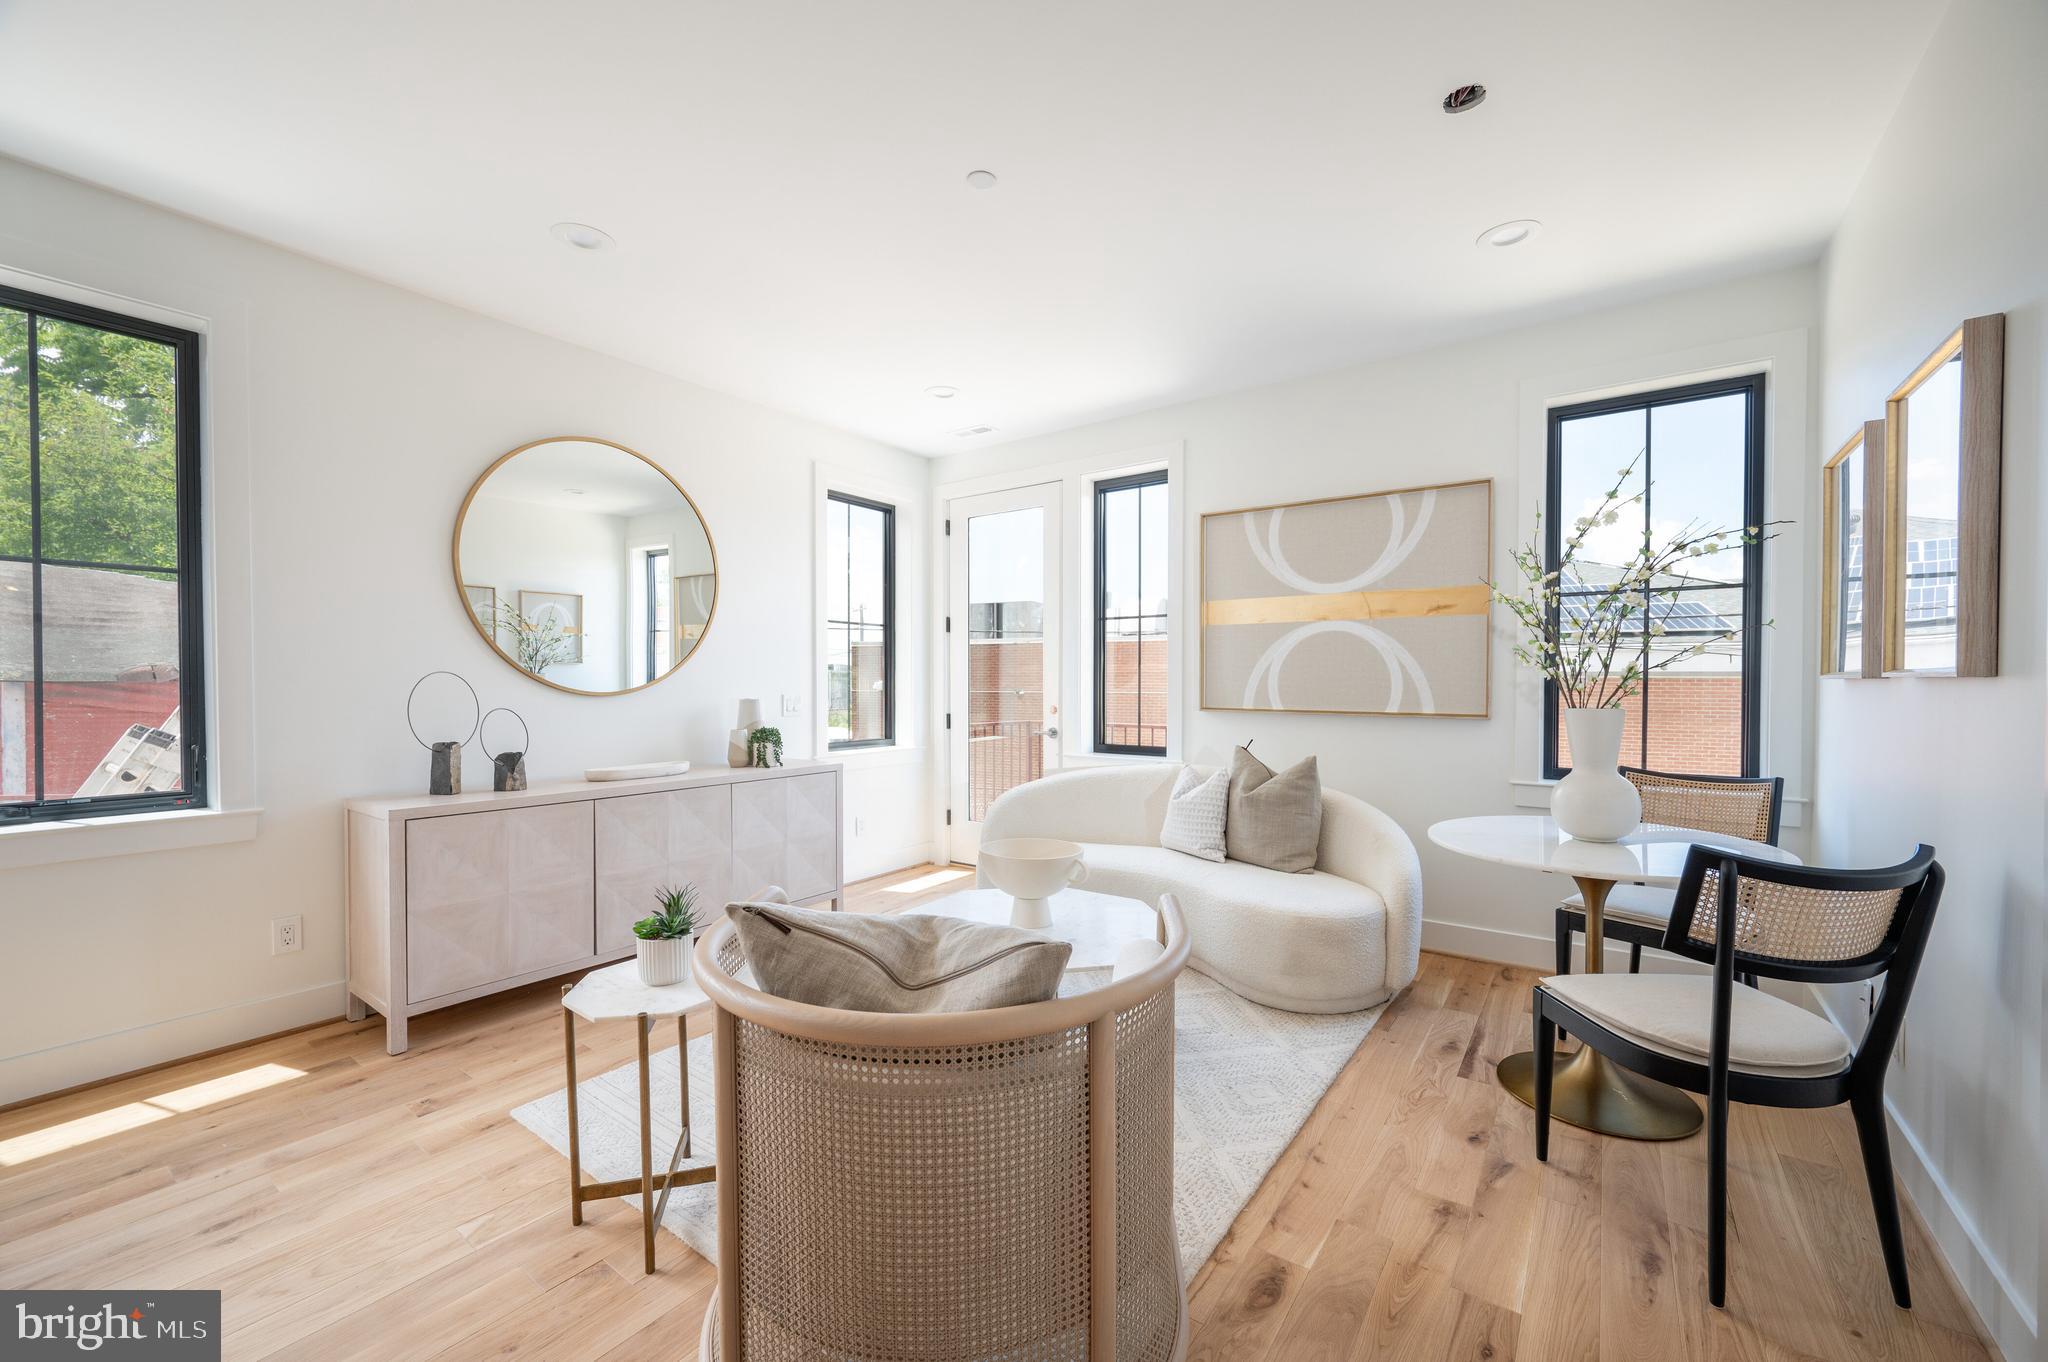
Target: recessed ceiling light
[(1509, 233), (582, 236), (981, 179), (941, 391), (969, 432), (1464, 97), (573, 491)]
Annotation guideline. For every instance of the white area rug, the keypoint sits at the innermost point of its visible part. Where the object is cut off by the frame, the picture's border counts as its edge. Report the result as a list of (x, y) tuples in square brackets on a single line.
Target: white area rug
[(1245, 1079)]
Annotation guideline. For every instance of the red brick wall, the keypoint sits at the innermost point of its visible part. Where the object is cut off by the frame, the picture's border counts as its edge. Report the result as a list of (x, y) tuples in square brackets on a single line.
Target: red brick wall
[(82, 719), (1695, 727)]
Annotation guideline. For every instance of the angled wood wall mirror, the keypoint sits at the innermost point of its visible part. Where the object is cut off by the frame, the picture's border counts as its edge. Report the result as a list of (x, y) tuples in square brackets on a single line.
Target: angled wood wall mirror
[(1852, 519), (1943, 436)]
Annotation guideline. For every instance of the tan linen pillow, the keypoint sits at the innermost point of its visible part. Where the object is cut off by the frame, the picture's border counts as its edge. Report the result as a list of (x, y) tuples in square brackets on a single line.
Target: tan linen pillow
[(895, 964), (1275, 821)]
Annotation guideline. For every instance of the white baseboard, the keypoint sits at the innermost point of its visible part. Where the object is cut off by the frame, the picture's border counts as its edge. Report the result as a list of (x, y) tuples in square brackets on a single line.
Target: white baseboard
[(889, 859), (1530, 950), (2003, 1317), (120, 1052)]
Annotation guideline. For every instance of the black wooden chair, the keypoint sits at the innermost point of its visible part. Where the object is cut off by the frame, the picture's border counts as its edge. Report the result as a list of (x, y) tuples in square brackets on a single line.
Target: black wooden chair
[(1706, 1035), (1734, 806)]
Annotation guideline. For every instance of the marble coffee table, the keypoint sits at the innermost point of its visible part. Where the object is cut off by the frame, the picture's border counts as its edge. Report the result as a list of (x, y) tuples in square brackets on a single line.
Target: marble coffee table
[(1096, 925)]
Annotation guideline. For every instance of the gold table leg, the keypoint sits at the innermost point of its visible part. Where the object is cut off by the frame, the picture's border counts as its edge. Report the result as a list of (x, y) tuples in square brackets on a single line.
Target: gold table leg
[(646, 1149), (575, 1159), (1586, 1090)]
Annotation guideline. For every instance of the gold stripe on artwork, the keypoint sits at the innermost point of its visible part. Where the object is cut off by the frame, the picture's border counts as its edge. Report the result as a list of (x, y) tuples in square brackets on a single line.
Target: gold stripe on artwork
[(1423, 602)]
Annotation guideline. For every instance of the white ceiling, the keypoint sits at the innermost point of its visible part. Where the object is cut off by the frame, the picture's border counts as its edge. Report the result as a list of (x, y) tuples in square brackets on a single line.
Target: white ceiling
[(1195, 196)]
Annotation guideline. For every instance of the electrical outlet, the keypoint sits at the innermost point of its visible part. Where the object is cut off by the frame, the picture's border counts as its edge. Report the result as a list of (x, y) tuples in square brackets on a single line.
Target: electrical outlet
[(860, 825), (286, 934)]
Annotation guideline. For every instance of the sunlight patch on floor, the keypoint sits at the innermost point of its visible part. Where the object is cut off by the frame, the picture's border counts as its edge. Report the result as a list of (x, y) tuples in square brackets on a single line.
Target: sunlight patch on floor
[(931, 881), (99, 1125)]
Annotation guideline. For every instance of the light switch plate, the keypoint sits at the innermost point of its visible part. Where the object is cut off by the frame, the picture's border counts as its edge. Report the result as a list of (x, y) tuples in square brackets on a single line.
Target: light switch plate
[(790, 706)]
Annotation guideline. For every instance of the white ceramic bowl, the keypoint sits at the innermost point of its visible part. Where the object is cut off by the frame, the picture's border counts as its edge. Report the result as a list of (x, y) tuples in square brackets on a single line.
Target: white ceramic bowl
[(1031, 870)]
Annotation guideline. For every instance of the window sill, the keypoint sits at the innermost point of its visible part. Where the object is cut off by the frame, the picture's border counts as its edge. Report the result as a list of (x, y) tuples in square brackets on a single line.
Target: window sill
[(1117, 759), (1535, 794), (91, 839)]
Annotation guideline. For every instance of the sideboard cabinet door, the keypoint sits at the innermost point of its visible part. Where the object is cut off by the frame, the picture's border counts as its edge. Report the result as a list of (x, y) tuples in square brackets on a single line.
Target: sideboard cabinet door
[(647, 843), (786, 832), (490, 896)]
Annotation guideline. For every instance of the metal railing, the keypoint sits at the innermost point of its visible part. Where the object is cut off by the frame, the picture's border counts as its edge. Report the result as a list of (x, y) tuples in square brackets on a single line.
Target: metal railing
[(1135, 735), (1001, 755)]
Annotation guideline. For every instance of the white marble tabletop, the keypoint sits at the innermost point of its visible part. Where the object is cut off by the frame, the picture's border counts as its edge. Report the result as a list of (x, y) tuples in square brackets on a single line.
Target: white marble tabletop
[(616, 991), (1652, 854), (1096, 925)]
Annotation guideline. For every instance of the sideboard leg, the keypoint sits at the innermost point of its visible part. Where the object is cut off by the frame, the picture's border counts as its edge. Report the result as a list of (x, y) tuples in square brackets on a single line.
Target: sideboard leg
[(394, 1035), (356, 1009)]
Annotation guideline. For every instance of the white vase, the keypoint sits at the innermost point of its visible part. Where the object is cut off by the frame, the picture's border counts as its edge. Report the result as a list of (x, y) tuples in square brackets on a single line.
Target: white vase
[(666, 962), (1595, 802)]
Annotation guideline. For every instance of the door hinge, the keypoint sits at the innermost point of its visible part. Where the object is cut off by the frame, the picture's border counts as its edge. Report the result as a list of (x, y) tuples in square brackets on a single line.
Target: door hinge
[(949, 525), (949, 818), (949, 624), (949, 722)]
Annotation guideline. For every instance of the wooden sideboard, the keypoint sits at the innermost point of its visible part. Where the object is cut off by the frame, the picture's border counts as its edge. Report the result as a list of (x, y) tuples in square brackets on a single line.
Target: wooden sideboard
[(451, 897)]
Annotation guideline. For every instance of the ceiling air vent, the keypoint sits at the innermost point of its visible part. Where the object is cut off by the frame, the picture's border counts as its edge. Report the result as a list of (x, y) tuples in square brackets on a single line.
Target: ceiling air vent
[(969, 432), (1464, 97)]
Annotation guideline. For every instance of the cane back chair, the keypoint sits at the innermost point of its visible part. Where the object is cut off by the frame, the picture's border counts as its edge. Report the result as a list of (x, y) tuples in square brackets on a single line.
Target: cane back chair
[(1706, 1034), (1734, 806), (980, 1184)]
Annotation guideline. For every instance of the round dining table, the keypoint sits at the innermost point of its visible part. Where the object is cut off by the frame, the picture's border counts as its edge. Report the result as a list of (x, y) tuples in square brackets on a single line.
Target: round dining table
[(1586, 1089)]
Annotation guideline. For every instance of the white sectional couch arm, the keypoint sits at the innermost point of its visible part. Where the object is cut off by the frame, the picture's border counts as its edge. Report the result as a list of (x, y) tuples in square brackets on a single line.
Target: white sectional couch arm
[(1092, 804), (1361, 844)]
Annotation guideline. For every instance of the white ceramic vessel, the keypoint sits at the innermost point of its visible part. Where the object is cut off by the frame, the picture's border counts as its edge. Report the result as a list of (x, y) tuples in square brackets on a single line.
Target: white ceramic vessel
[(1031, 870), (662, 963), (1595, 802)]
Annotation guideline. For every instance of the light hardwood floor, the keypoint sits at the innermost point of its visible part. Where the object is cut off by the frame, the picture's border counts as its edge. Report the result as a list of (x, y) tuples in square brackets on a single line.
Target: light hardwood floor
[(357, 1205)]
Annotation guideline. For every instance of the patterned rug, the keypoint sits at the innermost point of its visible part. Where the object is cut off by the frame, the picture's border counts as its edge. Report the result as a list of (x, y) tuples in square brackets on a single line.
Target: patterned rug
[(1245, 1079)]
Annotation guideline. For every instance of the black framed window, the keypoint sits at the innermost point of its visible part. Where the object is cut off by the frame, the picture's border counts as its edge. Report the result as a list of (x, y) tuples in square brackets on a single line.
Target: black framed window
[(860, 622), (102, 706), (1131, 614), (1698, 452), (656, 589)]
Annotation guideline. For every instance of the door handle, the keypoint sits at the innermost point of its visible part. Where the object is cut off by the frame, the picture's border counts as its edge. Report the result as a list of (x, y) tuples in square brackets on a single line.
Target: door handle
[(1049, 732)]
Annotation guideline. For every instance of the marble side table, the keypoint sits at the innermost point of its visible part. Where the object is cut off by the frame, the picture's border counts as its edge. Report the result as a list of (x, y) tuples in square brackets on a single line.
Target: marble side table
[(615, 993)]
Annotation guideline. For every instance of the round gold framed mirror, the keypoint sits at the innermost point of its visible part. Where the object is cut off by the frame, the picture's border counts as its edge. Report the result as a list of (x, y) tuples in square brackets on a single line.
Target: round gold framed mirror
[(585, 565)]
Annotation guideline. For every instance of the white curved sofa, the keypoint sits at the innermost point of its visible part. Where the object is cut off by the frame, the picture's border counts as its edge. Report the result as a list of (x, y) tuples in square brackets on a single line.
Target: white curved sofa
[(1344, 936)]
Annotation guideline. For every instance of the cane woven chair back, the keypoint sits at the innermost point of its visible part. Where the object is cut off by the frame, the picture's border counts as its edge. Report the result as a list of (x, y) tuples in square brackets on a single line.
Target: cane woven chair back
[(923, 1186), (1730, 805), (1791, 916)]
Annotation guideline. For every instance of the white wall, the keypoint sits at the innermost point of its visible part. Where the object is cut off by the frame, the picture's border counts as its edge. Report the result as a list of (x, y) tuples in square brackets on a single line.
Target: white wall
[(1948, 223), (345, 421), (1465, 411)]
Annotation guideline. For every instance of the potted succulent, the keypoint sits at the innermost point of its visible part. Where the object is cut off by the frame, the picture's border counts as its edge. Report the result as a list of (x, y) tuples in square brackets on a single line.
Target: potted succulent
[(764, 747), (665, 937)]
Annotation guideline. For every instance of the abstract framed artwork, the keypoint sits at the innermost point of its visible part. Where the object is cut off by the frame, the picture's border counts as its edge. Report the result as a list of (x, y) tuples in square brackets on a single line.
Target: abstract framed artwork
[(483, 603), (695, 595), (1368, 604), (565, 608)]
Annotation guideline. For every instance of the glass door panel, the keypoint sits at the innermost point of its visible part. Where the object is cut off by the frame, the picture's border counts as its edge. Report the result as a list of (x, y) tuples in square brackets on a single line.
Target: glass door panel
[(1003, 651)]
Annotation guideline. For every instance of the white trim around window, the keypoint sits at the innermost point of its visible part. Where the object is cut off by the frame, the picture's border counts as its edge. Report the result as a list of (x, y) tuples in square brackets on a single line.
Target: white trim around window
[(907, 690)]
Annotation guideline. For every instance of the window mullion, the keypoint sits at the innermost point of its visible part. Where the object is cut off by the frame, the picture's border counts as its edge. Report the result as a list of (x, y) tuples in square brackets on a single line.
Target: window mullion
[(35, 540)]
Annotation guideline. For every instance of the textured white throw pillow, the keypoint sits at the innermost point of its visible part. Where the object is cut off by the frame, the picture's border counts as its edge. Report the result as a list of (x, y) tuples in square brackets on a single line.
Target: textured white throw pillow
[(1195, 813)]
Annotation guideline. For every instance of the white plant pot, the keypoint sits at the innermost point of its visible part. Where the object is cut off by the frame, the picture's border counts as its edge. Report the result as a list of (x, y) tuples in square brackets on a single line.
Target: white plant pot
[(1595, 802), (662, 963)]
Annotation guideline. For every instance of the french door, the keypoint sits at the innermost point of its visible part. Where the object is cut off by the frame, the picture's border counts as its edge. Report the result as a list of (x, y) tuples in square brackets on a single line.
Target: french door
[(1002, 651)]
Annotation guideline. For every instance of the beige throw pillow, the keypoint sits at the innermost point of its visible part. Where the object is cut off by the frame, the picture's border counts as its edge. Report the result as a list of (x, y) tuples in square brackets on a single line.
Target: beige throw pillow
[(1274, 821), (1194, 814), (895, 964)]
